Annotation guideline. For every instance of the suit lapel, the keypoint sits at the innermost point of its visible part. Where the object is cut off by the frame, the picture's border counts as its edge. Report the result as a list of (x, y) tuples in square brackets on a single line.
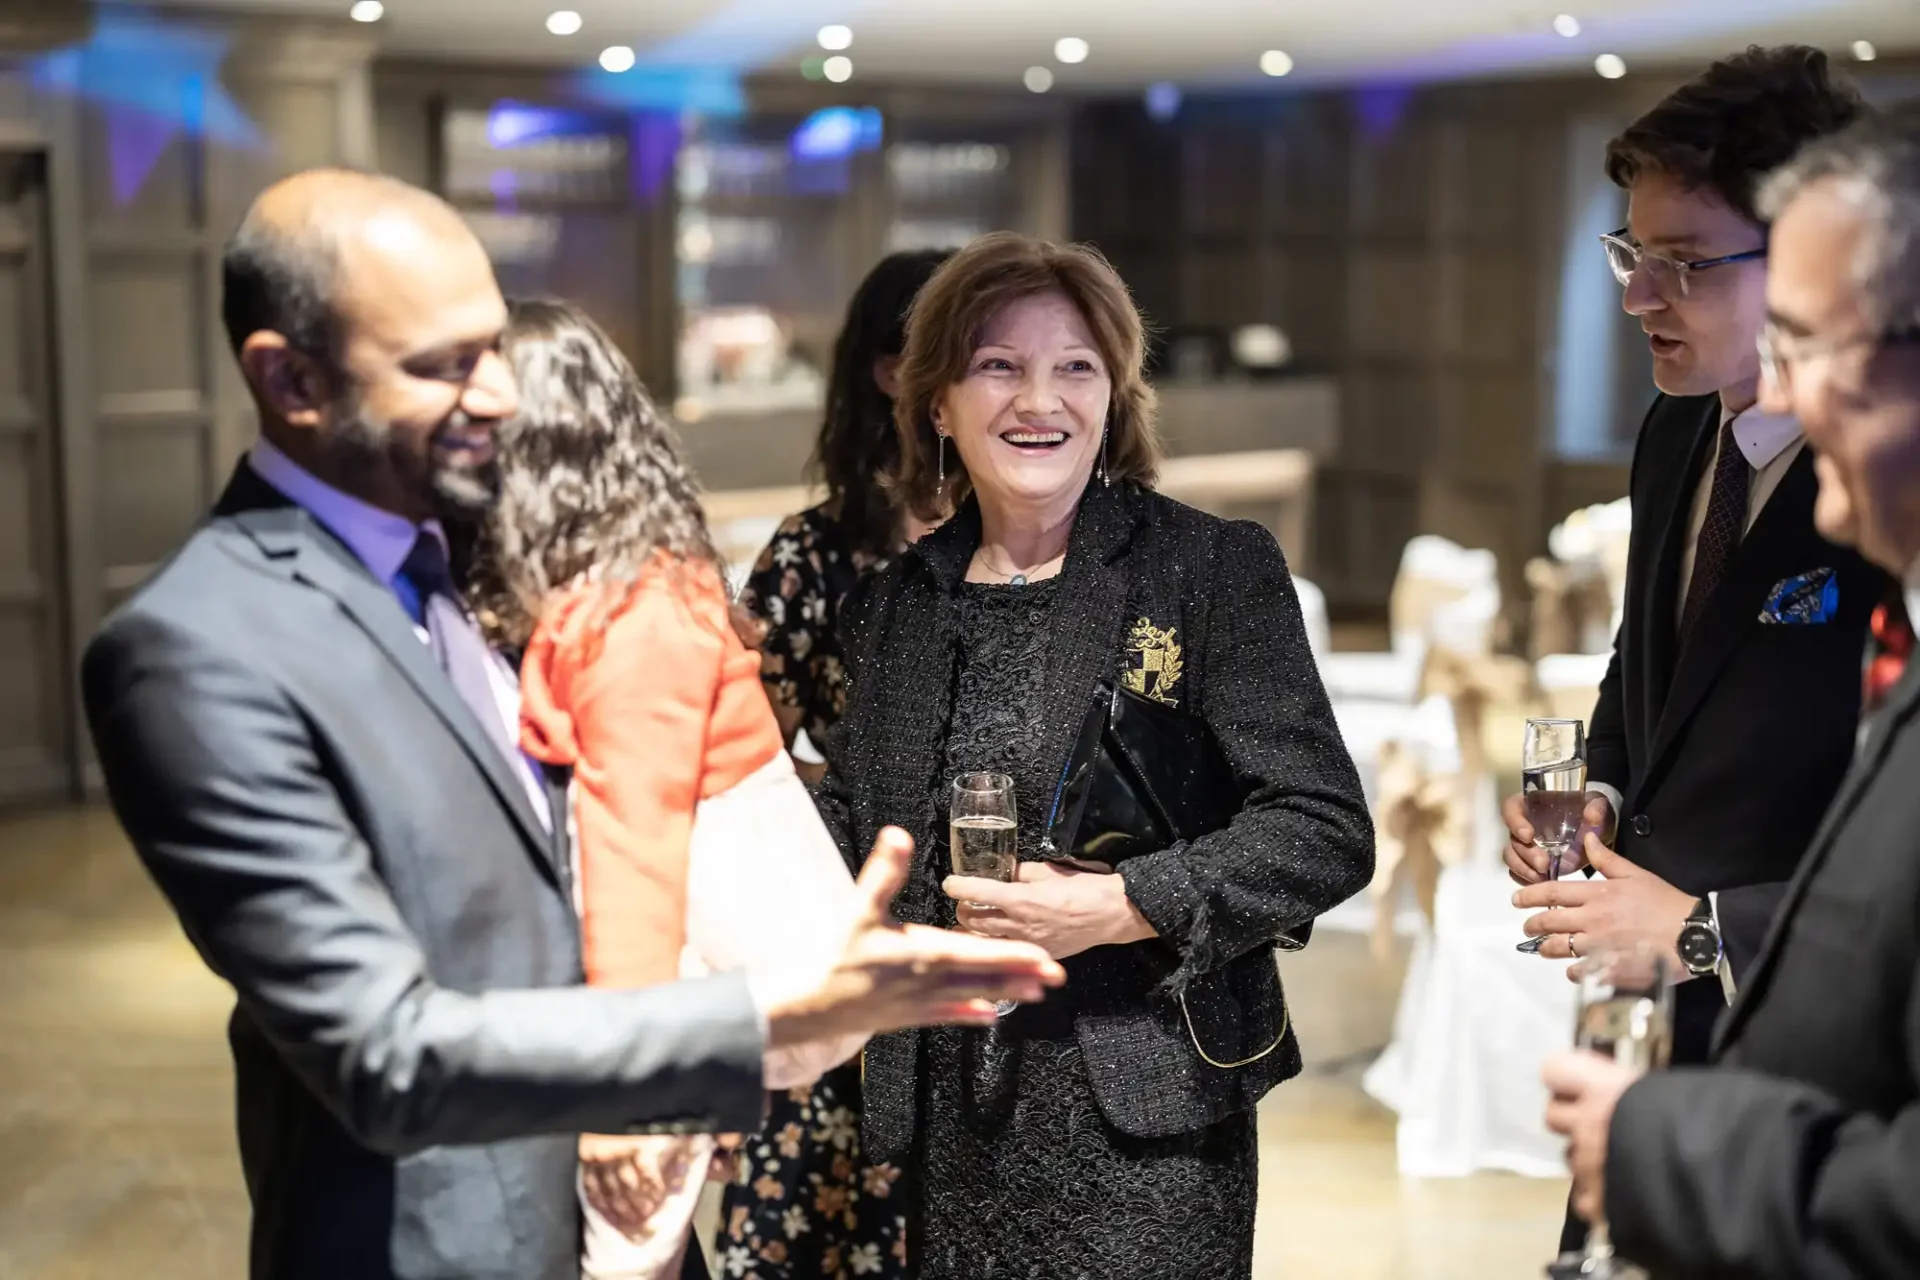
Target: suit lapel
[(313, 556), (555, 782), (1772, 547), (1091, 617), (1902, 704), (905, 751)]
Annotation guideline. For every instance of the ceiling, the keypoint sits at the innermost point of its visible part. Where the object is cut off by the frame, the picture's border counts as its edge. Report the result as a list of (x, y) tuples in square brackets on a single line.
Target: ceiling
[(1134, 42)]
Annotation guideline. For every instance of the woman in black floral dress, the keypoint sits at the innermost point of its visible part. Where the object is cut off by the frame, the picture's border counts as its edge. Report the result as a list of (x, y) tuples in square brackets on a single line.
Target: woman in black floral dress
[(804, 1204)]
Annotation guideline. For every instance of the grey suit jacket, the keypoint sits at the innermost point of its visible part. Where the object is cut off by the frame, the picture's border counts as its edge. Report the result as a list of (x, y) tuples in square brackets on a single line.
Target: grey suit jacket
[(412, 1049)]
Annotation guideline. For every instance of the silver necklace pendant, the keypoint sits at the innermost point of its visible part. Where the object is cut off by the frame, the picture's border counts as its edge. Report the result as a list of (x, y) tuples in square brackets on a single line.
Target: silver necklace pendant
[(1017, 580)]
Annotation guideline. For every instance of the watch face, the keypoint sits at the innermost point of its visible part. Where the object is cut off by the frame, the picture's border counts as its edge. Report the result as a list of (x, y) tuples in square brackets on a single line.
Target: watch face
[(1699, 948)]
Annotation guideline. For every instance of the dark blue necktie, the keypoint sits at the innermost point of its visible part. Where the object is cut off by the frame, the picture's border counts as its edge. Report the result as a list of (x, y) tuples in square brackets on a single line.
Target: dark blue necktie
[(456, 640)]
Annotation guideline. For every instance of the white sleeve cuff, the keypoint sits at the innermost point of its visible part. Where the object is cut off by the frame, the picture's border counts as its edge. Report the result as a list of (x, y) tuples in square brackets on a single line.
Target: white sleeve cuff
[(1728, 987), (762, 999), (1614, 798)]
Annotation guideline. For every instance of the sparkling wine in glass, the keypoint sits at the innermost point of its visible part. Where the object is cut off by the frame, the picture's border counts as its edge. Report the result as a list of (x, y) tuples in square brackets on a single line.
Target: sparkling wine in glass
[(1553, 787), (1625, 1013), (983, 829)]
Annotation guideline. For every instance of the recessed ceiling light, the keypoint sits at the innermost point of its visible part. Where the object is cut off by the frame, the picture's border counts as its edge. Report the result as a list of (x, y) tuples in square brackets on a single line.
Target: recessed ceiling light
[(1610, 65), (367, 11), (838, 68), (563, 22), (1038, 79), (1864, 50), (835, 36), (1567, 25), (1070, 49), (1276, 62), (616, 58)]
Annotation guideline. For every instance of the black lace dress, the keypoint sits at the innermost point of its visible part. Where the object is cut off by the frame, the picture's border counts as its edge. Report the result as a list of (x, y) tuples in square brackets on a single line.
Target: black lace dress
[(1018, 1173)]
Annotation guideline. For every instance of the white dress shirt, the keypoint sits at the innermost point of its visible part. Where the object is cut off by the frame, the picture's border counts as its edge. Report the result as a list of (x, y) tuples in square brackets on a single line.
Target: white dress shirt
[(382, 541), (1770, 443), (1910, 590)]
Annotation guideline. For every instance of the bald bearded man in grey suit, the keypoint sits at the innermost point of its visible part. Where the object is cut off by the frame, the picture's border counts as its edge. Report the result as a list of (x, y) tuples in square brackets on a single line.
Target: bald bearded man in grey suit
[(314, 754)]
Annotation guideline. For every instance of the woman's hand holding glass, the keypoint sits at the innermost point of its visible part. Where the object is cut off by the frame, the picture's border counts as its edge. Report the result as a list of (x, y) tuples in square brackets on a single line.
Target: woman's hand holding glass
[(1064, 910)]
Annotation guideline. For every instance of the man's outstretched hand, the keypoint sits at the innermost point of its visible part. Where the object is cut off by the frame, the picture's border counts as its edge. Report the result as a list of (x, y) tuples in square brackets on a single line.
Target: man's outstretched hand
[(884, 975)]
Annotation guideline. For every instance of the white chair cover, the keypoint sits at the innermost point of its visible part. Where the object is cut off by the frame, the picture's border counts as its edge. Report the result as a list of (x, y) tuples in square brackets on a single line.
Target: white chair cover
[(1475, 1022)]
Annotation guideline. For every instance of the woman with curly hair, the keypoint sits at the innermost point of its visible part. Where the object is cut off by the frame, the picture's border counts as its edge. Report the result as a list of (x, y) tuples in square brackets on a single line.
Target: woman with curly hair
[(697, 847)]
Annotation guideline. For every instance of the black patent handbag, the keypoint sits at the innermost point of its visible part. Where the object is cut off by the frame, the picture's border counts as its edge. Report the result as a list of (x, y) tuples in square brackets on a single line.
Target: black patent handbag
[(1144, 775)]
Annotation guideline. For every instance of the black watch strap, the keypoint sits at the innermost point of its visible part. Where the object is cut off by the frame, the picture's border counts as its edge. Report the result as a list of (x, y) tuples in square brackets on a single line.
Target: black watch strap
[(1700, 946)]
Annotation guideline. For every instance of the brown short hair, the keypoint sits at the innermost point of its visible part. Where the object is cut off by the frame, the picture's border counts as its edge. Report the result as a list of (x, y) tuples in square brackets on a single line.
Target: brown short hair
[(1736, 122), (944, 326)]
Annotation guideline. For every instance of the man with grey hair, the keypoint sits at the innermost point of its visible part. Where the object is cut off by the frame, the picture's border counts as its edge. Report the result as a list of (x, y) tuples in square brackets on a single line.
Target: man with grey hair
[(1796, 1153)]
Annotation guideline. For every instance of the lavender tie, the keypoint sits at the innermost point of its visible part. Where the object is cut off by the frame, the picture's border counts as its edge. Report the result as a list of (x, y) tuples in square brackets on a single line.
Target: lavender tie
[(456, 640)]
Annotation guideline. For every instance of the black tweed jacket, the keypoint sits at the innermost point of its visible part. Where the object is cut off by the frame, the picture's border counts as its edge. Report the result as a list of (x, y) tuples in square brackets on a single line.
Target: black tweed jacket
[(1301, 844)]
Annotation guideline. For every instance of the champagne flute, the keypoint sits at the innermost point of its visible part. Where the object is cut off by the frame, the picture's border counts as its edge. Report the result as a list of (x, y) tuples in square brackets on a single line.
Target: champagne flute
[(1553, 785), (983, 827), (1625, 1013)]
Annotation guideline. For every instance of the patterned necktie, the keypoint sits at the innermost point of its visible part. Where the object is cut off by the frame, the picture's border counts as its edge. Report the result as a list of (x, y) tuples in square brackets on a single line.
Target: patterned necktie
[(1887, 654), (1720, 532), (456, 641)]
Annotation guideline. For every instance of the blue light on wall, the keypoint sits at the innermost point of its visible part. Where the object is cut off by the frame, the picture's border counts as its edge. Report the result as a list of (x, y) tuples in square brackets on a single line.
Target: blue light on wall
[(711, 91), (835, 133), (1379, 108), (515, 124), (1163, 101), (152, 83)]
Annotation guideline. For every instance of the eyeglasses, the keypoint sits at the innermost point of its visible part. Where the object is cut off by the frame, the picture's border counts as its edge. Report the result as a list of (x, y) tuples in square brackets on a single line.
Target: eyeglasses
[(1780, 351), (1667, 275)]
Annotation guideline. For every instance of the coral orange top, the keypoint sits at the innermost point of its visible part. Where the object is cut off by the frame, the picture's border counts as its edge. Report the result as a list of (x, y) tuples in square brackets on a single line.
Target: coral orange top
[(656, 706), (699, 849)]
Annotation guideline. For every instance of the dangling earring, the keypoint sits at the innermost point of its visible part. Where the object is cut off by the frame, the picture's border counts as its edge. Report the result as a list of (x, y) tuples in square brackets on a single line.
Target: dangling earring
[(943, 459), (1105, 478)]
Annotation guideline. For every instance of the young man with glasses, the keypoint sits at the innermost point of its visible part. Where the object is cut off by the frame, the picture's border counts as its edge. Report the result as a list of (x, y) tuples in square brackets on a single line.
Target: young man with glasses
[(1797, 1153), (1727, 716)]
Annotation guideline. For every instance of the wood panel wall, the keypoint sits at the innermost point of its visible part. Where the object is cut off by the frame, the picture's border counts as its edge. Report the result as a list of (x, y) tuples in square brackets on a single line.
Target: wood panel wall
[(152, 138)]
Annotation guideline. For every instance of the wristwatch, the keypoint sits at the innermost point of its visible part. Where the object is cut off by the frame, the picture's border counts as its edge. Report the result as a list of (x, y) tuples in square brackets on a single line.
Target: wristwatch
[(1699, 944)]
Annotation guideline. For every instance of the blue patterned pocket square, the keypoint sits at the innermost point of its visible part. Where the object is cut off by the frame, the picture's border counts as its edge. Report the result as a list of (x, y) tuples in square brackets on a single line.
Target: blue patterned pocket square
[(1804, 599)]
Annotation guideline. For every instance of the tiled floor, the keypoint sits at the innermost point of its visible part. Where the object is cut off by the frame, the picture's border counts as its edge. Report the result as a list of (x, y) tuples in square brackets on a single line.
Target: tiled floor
[(116, 1148)]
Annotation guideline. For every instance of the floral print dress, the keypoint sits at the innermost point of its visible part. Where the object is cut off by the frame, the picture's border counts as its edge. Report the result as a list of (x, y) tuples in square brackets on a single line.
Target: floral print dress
[(804, 1205)]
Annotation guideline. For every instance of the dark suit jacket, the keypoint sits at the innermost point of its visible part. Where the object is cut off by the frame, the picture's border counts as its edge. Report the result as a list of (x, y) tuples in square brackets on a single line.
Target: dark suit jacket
[(1301, 843), (345, 846), (1726, 754), (1797, 1155)]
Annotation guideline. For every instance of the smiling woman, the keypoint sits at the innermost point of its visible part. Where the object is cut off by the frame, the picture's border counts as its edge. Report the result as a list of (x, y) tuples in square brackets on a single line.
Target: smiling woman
[(1108, 1131), (1020, 375)]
